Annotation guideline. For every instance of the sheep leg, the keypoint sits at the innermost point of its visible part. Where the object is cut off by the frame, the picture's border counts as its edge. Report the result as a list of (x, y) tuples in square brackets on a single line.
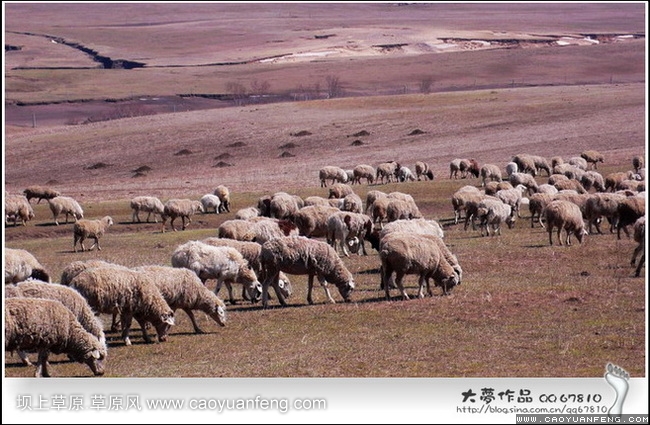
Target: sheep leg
[(190, 314), (342, 244), (25, 359), (637, 272), (96, 243), (399, 277), (550, 235), (326, 288), (171, 222), (422, 283), (559, 238), (43, 366), (126, 320), (271, 276), (276, 287), (310, 286), (636, 252)]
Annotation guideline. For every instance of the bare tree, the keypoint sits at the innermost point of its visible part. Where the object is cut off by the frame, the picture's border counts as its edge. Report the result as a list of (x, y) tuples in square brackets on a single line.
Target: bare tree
[(238, 92), (260, 88), (425, 84), (334, 88)]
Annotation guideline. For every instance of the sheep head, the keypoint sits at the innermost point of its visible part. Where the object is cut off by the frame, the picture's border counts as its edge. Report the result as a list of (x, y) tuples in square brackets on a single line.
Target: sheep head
[(219, 314), (164, 325), (346, 289)]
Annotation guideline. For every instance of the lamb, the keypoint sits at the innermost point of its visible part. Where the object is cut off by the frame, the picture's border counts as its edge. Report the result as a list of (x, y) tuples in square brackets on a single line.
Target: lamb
[(303, 256), (639, 238), (564, 215), (405, 174), (183, 208), (638, 162), (364, 171), (511, 167), (224, 196), (70, 298), (386, 171), (40, 192), (148, 204), (333, 173), (20, 265), (599, 205), (423, 171), (513, 197), (525, 163), (526, 180), (492, 213), (18, 207), (312, 220), (593, 179), (65, 205), (579, 162), (628, 212), (340, 190), (247, 213), (405, 253), (593, 157), (490, 172), (536, 205), (90, 229), (400, 209), (371, 196), (348, 228), (210, 202), (223, 263), (129, 293), (182, 289), (47, 326), (352, 203)]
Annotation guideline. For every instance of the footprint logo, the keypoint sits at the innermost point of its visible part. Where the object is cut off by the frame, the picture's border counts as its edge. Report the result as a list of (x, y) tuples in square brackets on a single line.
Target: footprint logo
[(617, 378)]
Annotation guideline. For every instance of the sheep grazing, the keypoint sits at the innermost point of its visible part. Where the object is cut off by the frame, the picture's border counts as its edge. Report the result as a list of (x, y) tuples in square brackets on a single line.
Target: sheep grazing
[(460, 197), (222, 263), (593, 179), (90, 229), (405, 253), (638, 162), (579, 162), (332, 173), (541, 164), (182, 289), (18, 207), (547, 188), (386, 171), (570, 171), (490, 172), (40, 193), (593, 157), (525, 179), (491, 188), (513, 197), (312, 220), (47, 326), (234, 229), (379, 210), (210, 202), (349, 228), (525, 163), (629, 210), (364, 171), (283, 205), (303, 256), (20, 265), (613, 179), (454, 167), (247, 213), (639, 238), (492, 213), (70, 298), (224, 196), (65, 205), (311, 201), (129, 293), (599, 205), (423, 171), (537, 203), (570, 184), (371, 196), (352, 203), (564, 215), (469, 167), (405, 174), (397, 209), (149, 204), (183, 208), (420, 226), (263, 230), (340, 190)]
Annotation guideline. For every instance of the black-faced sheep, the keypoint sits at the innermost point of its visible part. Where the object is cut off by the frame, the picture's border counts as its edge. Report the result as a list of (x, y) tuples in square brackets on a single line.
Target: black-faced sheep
[(593, 157), (40, 193), (183, 208), (423, 171), (149, 204), (364, 171), (406, 253), (224, 196), (65, 205), (303, 256), (332, 173), (90, 229), (223, 263), (564, 215), (129, 293), (386, 171), (182, 289), (490, 172), (348, 228), (20, 265), (18, 207), (210, 203), (639, 238), (47, 326)]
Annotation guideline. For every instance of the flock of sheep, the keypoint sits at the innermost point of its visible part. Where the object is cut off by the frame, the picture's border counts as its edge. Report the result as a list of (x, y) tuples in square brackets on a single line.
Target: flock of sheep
[(286, 235)]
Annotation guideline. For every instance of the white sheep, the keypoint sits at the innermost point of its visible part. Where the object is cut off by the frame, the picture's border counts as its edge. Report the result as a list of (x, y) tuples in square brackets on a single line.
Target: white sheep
[(386, 171), (65, 205), (210, 202), (283, 205), (490, 172), (70, 298), (224, 196), (578, 162), (247, 213), (513, 197), (511, 167), (312, 220), (40, 192), (350, 174), (149, 204), (405, 174), (423, 171), (547, 188), (18, 207), (261, 231), (570, 171), (525, 164), (599, 205), (47, 326), (348, 228), (364, 171), (182, 289), (340, 190), (235, 229), (183, 208), (564, 215), (639, 238), (593, 157), (129, 293), (333, 173), (460, 197), (405, 253), (90, 229), (537, 203), (524, 179), (223, 263), (541, 164), (492, 213), (316, 200), (404, 208), (20, 265), (303, 256)]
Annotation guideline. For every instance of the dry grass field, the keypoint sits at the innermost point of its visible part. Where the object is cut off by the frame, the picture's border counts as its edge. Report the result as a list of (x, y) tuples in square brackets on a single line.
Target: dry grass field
[(259, 97)]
